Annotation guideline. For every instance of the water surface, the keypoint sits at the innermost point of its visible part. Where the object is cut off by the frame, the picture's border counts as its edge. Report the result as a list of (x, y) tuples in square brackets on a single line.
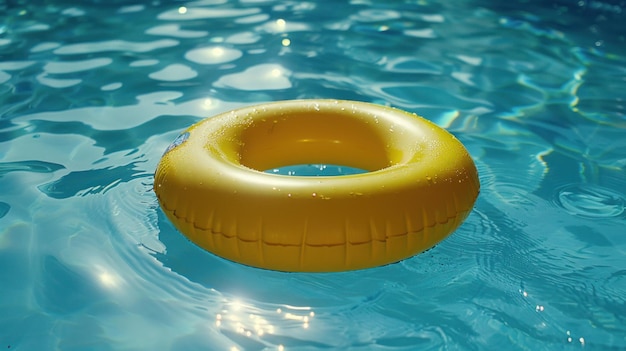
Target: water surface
[(91, 94)]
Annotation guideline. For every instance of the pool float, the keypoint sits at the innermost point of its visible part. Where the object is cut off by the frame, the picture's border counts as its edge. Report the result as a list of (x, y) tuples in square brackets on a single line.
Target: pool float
[(419, 186)]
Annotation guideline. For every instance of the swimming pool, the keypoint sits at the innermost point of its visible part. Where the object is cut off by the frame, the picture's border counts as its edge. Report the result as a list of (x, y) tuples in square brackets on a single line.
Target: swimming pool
[(92, 94)]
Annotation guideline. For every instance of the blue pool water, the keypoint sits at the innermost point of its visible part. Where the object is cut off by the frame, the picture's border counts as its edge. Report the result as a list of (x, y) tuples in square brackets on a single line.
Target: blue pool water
[(92, 93)]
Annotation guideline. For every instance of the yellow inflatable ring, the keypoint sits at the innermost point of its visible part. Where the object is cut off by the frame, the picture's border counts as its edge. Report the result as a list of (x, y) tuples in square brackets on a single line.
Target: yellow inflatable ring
[(420, 185)]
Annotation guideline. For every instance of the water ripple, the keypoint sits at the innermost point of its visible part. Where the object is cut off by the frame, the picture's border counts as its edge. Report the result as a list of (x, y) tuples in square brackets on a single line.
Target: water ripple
[(174, 73), (114, 45), (590, 201), (175, 30), (190, 14), (259, 77), (4, 208), (213, 55), (29, 166), (76, 66)]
